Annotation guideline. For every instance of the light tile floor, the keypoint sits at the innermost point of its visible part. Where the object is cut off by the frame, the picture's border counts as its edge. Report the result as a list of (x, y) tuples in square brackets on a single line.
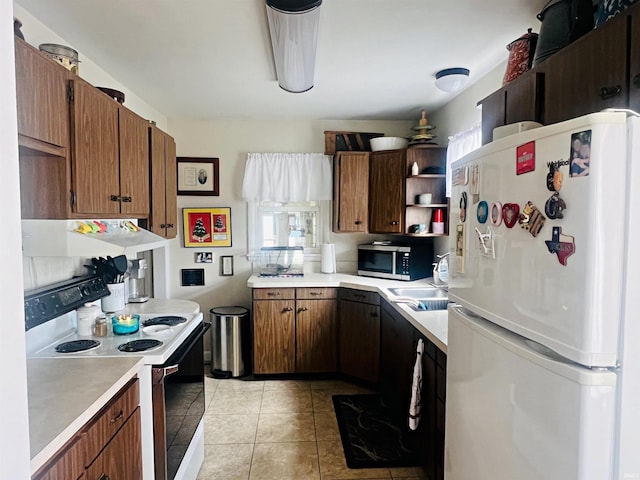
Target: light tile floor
[(279, 430)]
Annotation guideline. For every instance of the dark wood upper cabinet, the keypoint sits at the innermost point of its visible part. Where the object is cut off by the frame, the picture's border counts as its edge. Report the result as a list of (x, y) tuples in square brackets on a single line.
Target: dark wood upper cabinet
[(588, 76), (41, 94), (351, 192), (164, 209), (634, 62), (386, 191)]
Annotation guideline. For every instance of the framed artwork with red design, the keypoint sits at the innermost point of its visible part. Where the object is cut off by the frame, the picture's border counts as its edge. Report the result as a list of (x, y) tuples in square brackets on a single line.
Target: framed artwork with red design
[(207, 227)]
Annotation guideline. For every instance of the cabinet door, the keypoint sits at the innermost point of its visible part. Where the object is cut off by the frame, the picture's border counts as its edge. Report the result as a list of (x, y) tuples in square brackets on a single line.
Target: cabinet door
[(122, 457), (95, 164), (386, 191), (134, 163), (634, 62), (397, 357), (316, 336), (359, 341), (41, 94), (171, 187), (493, 113), (164, 209), (589, 75), (66, 466), (274, 336), (351, 192)]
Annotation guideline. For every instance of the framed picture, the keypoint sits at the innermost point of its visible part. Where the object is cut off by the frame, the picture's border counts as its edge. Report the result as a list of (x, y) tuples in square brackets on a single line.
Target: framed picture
[(226, 266), (207, 227), (198, 176), (204, 257)]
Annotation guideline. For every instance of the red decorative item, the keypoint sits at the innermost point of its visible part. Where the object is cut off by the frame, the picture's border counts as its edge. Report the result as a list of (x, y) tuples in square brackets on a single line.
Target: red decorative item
[(510, 214), (521, 53)]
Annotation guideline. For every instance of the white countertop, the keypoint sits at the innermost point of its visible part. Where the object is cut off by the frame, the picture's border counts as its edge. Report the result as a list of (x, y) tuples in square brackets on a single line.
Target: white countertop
[(163, 306), (64, 393), (432, 324)]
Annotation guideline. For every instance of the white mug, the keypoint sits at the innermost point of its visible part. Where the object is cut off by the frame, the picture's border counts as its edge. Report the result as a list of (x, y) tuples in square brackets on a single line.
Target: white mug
[(424, 198)]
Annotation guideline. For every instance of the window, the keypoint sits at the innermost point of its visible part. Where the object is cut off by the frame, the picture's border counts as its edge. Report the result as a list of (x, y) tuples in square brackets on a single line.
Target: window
[(291, 224)]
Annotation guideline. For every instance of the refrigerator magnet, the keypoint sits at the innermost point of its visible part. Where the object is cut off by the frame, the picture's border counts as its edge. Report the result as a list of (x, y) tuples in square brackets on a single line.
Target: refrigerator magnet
[(526, 158), (554, 207), (459, 258), (562, 245), (531, 219), (482, 212), (554, 178), (496, 214), (463, 206), (510, 214), (580, 154)]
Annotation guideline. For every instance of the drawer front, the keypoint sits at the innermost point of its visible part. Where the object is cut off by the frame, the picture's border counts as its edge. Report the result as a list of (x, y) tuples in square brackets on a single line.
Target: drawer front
[(359, 296), (316, 293), (69, 465), (274, 293), (109, 421)]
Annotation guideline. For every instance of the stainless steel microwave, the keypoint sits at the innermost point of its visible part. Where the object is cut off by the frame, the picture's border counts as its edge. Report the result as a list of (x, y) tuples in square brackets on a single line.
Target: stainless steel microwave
[(395, 261)]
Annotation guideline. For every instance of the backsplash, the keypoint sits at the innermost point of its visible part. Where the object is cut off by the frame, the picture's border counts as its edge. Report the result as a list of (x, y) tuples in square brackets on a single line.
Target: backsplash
[(42, 271)]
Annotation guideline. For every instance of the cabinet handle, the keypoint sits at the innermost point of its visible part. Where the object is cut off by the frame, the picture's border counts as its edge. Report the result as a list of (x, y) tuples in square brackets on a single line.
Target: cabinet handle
[(315, 293), (126, 199), (636, 81), (273, 294), (104, 476), (359, 295), (163, 225), (302, 309), (610, 92), (358, 222), (374, 315), (114, 198), (117, 418), (169, 225), (394, 222), (287, 309)]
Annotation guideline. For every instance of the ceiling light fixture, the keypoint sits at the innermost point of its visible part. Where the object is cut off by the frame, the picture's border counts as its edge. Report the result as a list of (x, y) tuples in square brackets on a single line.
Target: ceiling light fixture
[(293, 25), (452, 79)]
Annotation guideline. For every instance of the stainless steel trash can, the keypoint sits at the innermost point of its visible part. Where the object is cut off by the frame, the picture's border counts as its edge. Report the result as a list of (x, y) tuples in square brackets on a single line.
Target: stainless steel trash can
[(229, 335)]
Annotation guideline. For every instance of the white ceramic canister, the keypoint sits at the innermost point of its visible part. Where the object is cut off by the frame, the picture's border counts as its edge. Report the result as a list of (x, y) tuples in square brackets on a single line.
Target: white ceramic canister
[(115, 301), (86, 317)]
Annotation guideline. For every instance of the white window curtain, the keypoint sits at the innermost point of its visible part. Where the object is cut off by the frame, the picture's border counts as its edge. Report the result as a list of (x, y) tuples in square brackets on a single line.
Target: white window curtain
[(287, 177), (459, 145)]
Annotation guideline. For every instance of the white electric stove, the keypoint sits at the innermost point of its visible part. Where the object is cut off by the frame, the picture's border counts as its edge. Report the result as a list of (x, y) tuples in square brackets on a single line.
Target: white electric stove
[(172, 340)]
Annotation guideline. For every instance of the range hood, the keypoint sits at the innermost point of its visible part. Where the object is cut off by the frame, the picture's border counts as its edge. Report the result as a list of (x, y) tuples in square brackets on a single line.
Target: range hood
[(59, 238)]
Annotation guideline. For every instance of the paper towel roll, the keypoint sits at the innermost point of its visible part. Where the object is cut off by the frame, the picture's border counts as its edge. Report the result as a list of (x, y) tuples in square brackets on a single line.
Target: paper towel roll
[(328, 252)]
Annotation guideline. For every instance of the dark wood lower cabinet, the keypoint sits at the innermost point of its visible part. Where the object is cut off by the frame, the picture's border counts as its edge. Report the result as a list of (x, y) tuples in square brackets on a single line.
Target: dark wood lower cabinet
[(398, 343), (316, 336), (122, 457), (359, 339)]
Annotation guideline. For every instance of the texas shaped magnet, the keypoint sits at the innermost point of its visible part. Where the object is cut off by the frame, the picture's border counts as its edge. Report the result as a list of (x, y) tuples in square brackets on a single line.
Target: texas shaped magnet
[(562, 245)]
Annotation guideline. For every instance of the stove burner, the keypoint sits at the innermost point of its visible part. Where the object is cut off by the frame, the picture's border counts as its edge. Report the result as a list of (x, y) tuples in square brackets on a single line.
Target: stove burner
[(170, 320), (139, 345), (77, 346)]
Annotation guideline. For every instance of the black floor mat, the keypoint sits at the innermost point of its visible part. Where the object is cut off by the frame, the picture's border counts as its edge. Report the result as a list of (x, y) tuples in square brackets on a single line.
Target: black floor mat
[(372, 436)]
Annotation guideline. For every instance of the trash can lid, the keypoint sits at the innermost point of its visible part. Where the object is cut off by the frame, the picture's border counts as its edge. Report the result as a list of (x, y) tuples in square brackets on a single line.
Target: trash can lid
[(235, 311)]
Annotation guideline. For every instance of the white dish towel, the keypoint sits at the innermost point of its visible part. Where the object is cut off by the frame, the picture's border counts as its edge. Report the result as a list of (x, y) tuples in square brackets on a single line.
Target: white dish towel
[(416, 388)]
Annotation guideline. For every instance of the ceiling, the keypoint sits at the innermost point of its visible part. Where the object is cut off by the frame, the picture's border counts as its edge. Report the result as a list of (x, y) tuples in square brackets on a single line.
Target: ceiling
[(376, 59)]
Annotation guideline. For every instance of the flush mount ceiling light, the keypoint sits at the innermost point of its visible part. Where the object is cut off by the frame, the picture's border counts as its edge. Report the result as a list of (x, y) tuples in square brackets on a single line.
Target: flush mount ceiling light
[(293, 25), (452, 79)]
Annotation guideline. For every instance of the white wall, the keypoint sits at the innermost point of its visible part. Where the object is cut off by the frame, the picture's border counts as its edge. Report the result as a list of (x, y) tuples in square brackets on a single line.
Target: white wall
[(230, 140), (14, 421)]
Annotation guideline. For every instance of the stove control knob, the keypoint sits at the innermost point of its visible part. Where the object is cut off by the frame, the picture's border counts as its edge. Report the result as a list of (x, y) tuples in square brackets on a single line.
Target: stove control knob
[(84, 290)]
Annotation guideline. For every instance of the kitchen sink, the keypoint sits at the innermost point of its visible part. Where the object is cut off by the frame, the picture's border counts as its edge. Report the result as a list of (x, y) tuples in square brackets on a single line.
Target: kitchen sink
[(421, 298)]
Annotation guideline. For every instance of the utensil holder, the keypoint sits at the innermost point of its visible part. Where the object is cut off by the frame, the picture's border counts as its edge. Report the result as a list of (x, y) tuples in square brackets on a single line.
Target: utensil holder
[(116, 300)]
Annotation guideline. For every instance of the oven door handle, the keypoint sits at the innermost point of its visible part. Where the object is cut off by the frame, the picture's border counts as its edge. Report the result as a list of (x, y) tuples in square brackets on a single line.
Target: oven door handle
[(166, 371), (184, 349)]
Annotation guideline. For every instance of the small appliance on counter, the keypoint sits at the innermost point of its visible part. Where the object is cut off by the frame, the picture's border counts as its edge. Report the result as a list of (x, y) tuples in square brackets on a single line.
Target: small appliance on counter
[(395, 261), (137, 271), (282, 262)]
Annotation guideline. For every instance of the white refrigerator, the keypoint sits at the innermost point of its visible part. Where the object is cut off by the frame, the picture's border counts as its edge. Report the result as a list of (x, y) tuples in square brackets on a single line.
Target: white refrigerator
[(543, 356)]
